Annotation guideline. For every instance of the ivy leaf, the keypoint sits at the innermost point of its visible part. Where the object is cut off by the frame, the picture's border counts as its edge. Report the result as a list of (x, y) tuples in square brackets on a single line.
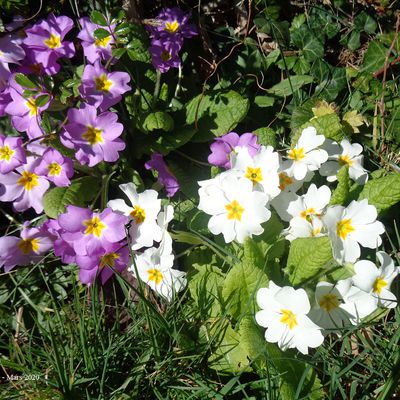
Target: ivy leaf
[(158, 120), (217, 113), (290, 85), (374, 57), (332, 84), (307, 257), (80, 191), (383, 193), (341, 193)]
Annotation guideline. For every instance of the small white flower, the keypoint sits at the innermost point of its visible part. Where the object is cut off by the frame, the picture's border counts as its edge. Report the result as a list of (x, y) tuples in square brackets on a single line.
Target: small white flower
[(237, 211), (306, 155), (142, 213), (376, 281), (300, 227), (261, 170), (163, 219), (334, 310), (347, 154), (350, 227), (284, 314), (154, 266)]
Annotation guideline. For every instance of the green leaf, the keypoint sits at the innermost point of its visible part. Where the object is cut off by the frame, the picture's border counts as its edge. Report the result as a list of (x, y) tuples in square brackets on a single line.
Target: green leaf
[(216, 113), (374, 57), (383, 193), (354, 40), (290, 85), (42, 100), (364, 22), (307, 257), (80, 191), (328, 125), (98, 18), (24, 81), (205, 286), (264, 101), (341, 193), (101, 33), (158, 120), (333, 83), (266, 136)]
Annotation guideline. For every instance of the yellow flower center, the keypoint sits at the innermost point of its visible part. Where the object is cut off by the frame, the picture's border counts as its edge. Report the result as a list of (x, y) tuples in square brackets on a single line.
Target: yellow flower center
[(54, 169), (254, 174), (288, 318), (28, 180), (329, 302), (307, 213), (102, 42), (93, 135), (6, 153), (94, 226), (284, 180), (139, 214), (108, 259), (102, 83), (28, 246), (171, 27), (345, 160), (315, 232), (235, 210), (33, 109), (53, 42), (379, 284), (166, 56), (344, 227), (155, 275), (296, 154)]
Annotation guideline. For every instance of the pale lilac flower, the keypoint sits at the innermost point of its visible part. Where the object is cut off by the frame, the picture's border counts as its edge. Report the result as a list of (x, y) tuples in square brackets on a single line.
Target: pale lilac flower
[(94, 137), (95, 49), (12, 154), (10, 53), (24, 188), (55, 167), (101, 88), (5, 99), (28, 248), (46, 40), (223, 146), (165, 177), (88, 230), (164, 55), (103, 262)]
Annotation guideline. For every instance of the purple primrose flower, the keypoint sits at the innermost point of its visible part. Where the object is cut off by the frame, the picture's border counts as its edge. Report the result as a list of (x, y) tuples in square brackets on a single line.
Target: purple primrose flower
[(24, 188), (29, 247), (55, 167), (101, 88), (95, 137), (12, 154), (223, 146), (165, 177), (46, 41), (164, 55), (95, 49)]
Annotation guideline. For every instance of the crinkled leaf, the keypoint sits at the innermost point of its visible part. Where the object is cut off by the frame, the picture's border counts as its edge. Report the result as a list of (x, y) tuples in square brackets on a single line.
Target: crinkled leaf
[(80, 191), (307, 257), (266, 136), (383, 193), (341, 193), (158, 120), (216, 113)]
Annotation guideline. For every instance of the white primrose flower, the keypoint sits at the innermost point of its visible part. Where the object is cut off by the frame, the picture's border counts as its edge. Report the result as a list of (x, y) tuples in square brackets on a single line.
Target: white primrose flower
[(338, 306), (300, 227), (261, 170), (376, 281), (306, 155), (163, 219), (347, 154), (237, 211), (350, 227), (284, 313), (142, 214), (154, 266)]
